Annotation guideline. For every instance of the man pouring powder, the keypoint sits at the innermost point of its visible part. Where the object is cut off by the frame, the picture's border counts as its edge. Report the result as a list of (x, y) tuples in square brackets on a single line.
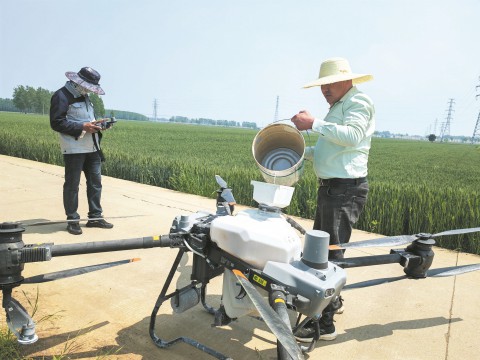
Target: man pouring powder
[(340, 159)]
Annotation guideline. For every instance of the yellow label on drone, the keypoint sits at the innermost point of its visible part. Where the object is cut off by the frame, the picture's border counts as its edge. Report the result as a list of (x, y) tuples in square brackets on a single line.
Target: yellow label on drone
[(156, 238), (259, 280)]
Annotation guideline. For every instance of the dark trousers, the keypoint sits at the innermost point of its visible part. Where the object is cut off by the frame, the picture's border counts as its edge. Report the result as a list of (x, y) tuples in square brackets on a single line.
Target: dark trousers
[(91, 165), (339, 206)]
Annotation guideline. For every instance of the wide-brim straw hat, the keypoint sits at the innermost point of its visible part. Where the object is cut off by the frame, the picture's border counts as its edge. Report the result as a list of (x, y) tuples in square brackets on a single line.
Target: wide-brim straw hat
[(335, 70), (88, 78)]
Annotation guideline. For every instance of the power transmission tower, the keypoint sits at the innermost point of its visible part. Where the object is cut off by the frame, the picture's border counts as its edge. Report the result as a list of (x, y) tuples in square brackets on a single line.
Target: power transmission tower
[(155, 109), (446, 125), (276, 111), (476, 131)]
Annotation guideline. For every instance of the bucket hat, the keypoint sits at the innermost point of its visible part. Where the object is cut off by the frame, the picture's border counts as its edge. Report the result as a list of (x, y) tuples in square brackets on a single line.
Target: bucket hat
[(88, 78), (335, 70)]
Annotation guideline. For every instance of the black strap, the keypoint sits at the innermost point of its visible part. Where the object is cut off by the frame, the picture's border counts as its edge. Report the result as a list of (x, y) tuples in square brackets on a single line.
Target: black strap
[(100, 152), (72, 100)]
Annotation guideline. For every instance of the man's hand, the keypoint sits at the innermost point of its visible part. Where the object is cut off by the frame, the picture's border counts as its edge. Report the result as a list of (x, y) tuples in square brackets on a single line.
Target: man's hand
[(105, 123), (303, 120), (90, 127)]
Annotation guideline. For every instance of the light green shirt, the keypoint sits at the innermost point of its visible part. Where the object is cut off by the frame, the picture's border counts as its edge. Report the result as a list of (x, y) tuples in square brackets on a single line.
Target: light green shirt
[(345, 137)]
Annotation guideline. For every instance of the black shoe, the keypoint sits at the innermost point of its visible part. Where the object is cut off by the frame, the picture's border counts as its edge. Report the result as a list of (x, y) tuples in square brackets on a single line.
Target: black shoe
[(338, 305), (74, 228), (99, 224), (306, 333)]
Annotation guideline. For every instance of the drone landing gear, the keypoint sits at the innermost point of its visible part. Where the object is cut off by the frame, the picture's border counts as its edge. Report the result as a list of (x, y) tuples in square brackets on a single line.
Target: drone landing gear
[(18, 320), (175, 295), (316, 335)]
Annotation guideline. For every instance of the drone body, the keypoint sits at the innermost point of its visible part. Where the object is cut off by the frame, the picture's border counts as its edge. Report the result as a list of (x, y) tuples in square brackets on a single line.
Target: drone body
[(264, 239)]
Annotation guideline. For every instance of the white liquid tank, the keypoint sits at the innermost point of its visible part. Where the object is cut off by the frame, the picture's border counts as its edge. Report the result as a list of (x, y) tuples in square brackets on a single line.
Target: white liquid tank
[(257, 236)]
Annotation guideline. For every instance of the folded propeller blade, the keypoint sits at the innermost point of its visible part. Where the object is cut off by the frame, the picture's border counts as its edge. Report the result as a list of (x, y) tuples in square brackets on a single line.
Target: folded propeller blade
[(74, 272), (385, 241), (222, 183), (440, 272), (373, 282), (271, 318), (453, 271), (456, 232), (228, 196), (226, 191), (400, 239)]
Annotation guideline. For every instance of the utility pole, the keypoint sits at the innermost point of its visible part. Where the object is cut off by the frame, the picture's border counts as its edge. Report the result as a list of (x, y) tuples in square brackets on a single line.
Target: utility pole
[(476, 131), (155, 109), (276, 111), (446, 125)]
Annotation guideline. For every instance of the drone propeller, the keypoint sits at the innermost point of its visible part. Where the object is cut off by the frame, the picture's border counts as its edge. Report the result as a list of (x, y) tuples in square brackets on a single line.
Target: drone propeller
[(226, 191), (53, 222), (440, 272), (453, 270), (400, 239), (222, 183), (74, 272), (271, 318)]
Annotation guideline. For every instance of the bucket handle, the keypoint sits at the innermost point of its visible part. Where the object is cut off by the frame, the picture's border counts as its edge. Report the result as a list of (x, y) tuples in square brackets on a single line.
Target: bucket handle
[(290, 124)]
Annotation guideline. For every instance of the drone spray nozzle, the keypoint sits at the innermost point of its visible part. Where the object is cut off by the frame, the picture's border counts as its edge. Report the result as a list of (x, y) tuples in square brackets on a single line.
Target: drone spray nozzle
[(18, 320), (185, 298)]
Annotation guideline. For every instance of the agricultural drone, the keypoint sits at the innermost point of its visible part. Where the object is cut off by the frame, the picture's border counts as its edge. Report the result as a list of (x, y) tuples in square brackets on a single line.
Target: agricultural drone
[(289, 278)]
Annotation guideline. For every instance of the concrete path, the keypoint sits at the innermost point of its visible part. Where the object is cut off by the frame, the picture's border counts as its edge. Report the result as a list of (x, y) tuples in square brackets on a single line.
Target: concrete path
[(107, 313)]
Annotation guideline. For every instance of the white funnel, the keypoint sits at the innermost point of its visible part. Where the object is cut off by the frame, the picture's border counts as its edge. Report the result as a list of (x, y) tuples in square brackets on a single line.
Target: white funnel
[(272, 194)]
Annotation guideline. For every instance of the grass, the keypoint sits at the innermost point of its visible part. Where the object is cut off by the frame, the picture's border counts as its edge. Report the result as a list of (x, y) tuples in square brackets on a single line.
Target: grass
[(415, 186), (10, 349)]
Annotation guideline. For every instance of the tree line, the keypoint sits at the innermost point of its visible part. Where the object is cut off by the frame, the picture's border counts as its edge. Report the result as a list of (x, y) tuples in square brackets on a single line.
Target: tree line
[(28, 99), (211, 122)]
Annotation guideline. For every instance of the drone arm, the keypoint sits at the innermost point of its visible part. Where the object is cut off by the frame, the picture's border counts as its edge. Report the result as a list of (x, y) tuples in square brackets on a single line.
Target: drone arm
[(172, 240), (370, 260)]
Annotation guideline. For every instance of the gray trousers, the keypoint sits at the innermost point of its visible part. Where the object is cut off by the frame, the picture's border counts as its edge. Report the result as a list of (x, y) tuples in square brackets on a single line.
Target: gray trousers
[(91, 165), (339, 205)]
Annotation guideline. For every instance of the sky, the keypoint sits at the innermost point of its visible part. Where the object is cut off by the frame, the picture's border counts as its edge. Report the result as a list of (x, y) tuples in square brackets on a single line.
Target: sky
[(231, 60)]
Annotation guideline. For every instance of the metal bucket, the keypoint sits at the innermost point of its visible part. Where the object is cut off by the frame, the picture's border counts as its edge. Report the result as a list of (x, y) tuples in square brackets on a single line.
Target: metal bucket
[(279, 151)]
